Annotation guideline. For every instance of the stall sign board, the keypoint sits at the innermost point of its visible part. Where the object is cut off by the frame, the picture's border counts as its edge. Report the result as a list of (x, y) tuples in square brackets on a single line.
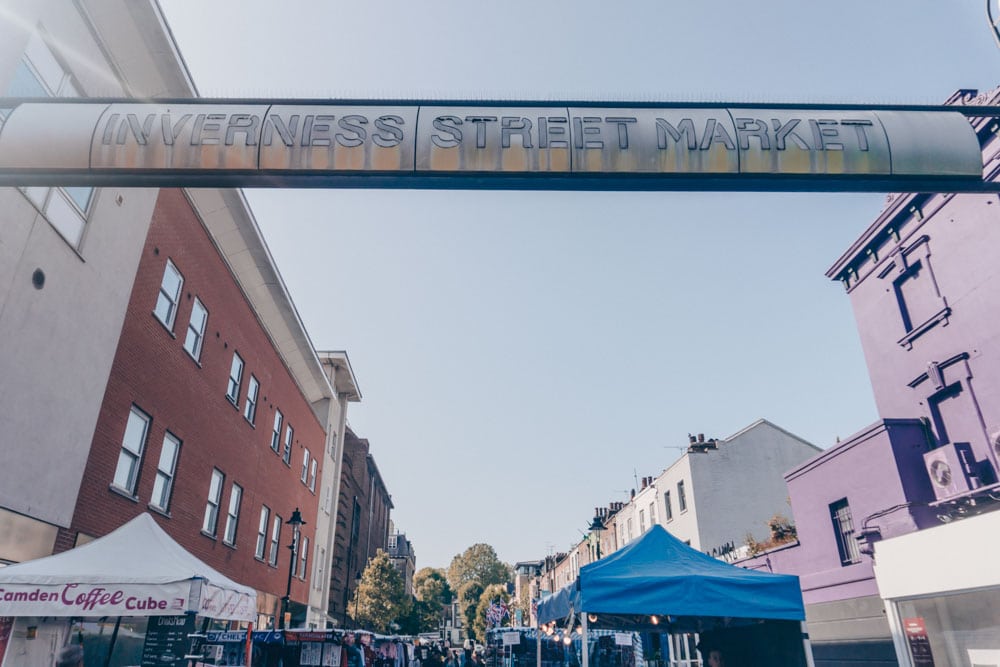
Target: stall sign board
[(511, 638), (623, 639), (167, 641), (920, 646)]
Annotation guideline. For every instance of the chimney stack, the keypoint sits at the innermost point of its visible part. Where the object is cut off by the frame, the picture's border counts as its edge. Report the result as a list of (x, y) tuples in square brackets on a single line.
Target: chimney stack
[(701, 437)]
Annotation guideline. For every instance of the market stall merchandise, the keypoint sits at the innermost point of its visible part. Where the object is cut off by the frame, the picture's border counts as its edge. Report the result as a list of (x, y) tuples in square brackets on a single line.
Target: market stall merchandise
[(136, 571), (659, 584)]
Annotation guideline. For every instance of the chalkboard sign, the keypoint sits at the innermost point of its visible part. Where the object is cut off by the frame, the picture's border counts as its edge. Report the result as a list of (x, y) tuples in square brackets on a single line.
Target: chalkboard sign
[(167, 641)]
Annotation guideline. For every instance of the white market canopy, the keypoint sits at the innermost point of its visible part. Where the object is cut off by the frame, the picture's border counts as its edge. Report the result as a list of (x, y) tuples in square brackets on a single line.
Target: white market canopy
[(136, 570)]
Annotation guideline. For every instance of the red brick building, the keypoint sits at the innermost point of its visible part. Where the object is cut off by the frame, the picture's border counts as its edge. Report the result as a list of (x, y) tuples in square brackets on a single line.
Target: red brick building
[(203, 424), (362, 523)]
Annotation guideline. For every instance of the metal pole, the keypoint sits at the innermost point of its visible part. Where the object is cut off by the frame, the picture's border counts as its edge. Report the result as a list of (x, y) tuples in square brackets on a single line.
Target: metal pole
[(584, 644), (114, 638), (285, 601)]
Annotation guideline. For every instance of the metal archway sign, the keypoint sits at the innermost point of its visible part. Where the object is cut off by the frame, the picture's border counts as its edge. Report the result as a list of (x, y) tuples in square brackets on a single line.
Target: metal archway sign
[(523, 145)]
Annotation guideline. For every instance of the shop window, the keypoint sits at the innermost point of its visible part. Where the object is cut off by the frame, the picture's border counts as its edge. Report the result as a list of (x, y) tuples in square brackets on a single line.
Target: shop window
[(169, 295), (957, 629), (920, 303), (165, 469), (130, 456), (40, 73), (265, 515), (843, 530)]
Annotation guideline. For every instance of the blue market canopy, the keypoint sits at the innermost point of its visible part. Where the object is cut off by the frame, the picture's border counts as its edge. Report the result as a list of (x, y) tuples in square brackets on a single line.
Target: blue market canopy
[(660, 575)]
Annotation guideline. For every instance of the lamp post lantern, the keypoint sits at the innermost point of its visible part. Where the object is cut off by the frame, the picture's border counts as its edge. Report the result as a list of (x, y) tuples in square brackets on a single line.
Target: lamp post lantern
[(295, 522), (597, 527)]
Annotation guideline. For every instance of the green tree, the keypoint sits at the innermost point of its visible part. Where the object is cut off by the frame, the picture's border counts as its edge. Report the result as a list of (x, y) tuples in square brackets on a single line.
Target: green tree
[(478, 563), (381, 597), (432, 592), (494, 593), (468, 599)]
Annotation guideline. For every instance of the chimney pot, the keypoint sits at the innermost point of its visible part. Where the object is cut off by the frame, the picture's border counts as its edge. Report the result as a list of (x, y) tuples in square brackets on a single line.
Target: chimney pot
[(701, 437)]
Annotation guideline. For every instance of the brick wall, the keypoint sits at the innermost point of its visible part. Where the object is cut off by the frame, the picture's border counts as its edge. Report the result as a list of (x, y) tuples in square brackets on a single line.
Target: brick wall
[(187, 397)]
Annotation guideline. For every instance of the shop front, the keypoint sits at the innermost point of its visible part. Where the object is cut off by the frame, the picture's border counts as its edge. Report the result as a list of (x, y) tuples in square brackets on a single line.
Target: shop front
[(941, 588)]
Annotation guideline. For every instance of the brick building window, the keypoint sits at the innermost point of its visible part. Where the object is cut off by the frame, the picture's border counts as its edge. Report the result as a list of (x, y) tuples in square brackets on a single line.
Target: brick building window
[(682, 503), (133, 443), (170, 294), (272, 556), (235, 376), (265, 514), (303, 557), (164, 483), (210, 523), (305, 465), (843, 530), (250, 407), (233, 515), (196, 330), (276, 432), (289, 438), (312, 475)]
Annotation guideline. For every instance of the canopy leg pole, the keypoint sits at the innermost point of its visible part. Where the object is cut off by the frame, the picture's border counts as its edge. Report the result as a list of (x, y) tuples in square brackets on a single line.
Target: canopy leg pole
[(538, 642), (584, 643), (114, 638), (806, 646)]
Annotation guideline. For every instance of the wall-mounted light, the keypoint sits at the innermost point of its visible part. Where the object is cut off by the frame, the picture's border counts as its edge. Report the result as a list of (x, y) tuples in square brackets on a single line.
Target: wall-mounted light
[(655, 620), (592, 618)]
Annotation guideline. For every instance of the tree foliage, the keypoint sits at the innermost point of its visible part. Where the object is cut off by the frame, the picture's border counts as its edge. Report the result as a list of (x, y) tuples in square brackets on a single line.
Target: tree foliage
[(381, 596), (494, 593), (468, 600), (478, 563)]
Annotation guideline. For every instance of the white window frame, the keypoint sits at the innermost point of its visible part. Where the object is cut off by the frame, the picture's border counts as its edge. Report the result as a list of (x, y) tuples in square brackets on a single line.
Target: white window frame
[(166, 469), (133, 446), (313, 467), (305, 465), (276, 432), (289, 439), (250, 403), (265, 522), (682, 504), (196, 333), (210, 522), (64, 207), (327, 497), (272, 555), (168, 318), (233, 387), (233, 514), (303, 556)]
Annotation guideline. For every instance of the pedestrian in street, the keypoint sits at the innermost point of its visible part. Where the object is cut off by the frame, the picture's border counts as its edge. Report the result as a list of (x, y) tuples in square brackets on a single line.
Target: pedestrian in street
[(353, 656), (715, 658), (70, 656), (451, 660)]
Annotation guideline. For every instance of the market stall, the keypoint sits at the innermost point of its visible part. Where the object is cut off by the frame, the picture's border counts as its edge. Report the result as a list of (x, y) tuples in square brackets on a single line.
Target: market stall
[(659, 584), (134, 572)]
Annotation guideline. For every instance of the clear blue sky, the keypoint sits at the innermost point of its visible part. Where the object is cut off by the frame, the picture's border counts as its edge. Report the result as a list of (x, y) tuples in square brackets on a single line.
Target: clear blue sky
[(523, 356)]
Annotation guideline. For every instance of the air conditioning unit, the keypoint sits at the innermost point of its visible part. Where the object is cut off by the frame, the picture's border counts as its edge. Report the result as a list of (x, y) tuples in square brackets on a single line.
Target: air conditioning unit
[(952, 470)]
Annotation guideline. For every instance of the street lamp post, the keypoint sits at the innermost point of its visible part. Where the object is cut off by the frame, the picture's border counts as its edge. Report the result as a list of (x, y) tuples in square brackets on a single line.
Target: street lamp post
[(597, 527), (295, 522)]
